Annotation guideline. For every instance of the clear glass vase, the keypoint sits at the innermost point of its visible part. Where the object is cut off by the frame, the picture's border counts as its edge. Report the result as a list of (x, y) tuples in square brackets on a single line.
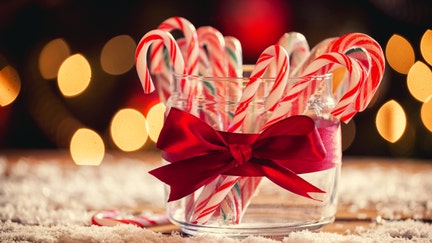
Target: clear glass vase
[(256, 205)]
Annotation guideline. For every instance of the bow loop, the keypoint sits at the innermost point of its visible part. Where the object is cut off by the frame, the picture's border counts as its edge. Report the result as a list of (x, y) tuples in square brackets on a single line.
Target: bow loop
[(198, 154)]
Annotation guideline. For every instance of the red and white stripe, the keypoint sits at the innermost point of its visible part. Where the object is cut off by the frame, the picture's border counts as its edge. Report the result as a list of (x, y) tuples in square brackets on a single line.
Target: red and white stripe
[(174, 53), (214, 43), (234, 56), (296, 46), (267, 56), (213, 201), (316, 51), (192, 48), (374, 67), (113, 218)]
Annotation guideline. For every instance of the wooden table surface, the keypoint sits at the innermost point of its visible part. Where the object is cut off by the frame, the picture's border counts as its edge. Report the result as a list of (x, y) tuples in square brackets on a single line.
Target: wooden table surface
[(346, 219)]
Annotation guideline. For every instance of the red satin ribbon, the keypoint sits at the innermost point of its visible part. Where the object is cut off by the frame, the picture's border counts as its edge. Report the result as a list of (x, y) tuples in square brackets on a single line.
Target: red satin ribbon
[(198, 154)]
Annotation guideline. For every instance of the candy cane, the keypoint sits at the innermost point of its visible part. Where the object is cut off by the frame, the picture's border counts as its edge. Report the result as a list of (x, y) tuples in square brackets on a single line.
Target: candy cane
[(233, 50), (296, 46), (322, 65), (375, 68), (275, 51), (190, 36), (368, 53), (316, 51), (174, 54), (160, 65), (214, 42), (113, 218), (248, 185)]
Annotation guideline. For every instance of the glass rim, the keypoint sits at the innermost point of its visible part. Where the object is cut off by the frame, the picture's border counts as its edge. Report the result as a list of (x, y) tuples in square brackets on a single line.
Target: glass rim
[(248, 68)]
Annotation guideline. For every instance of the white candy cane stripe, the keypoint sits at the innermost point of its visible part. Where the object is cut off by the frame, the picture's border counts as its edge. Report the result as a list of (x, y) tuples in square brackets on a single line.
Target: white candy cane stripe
[(376, 70), (113, 218), (141, 57), (234, 56)]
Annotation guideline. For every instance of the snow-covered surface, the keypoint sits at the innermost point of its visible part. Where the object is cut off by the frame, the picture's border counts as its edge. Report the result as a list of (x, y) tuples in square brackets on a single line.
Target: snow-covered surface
[(43, 202)]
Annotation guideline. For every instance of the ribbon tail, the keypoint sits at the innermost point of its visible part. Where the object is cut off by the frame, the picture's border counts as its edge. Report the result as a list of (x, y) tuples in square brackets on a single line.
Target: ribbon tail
[(291, 181), (187, 176)]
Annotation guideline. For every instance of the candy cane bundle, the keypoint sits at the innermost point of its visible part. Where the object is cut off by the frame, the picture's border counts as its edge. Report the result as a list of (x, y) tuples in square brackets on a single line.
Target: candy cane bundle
[(225, 185), (204, 53)]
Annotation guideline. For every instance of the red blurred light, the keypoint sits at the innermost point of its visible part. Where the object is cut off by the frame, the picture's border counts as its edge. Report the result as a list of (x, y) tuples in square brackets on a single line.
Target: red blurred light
[(256, 23)]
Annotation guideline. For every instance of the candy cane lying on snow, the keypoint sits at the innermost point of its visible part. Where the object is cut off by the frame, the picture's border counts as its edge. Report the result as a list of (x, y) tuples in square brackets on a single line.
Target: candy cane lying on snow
[(113, 218)]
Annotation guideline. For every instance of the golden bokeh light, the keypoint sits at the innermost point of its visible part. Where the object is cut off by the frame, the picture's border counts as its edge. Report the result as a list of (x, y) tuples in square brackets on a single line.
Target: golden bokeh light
[(155, 120), (400, 54), (426, 46), (426, 113), (338, 75), (51, 57), (118, 55), (391, 121), (10, 85), (128, 130), (74, 75), (87, 147), (419, 81)]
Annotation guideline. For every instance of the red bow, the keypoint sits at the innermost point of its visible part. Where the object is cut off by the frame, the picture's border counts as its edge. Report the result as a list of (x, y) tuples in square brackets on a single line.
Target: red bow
[(198, 154)]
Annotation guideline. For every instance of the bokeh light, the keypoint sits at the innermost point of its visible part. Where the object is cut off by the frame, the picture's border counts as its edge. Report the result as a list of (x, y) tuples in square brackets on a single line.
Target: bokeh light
[(10, 85), (400, 54), (426, 46), (128, 129), (87, 147), (118, 55), (249, 21), (51, 57), (338, 75), (419, 81), (426, 113), (74, 75), (155, 120), (391, 121)]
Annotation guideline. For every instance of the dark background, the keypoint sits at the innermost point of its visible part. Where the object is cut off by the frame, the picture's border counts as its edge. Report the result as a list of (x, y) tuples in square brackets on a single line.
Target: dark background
[(26, 25)]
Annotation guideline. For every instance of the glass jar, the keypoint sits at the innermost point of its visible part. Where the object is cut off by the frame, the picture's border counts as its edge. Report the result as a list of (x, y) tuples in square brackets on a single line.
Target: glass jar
[(255, 205)]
